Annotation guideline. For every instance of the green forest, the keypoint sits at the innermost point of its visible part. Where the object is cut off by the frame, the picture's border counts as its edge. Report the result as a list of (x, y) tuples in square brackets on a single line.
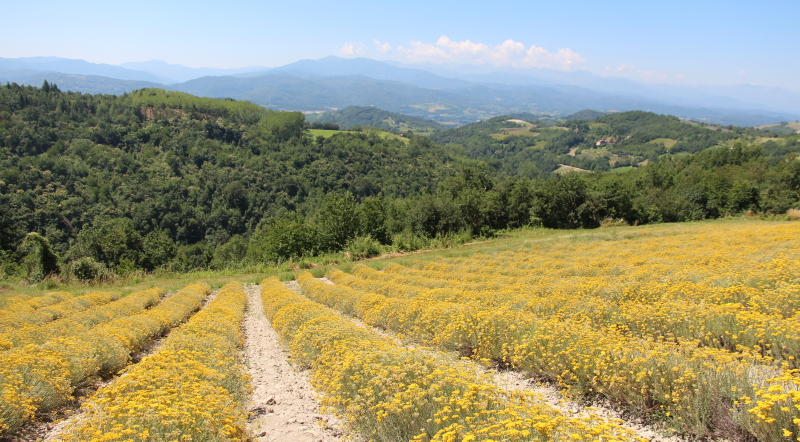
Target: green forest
[(93, 186)]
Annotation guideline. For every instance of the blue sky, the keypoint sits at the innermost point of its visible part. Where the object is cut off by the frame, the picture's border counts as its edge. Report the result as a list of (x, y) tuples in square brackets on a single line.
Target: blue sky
[(682, 42)]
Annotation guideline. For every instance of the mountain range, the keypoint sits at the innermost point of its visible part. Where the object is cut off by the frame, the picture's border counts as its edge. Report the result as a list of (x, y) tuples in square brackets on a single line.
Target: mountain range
[(453, 95)]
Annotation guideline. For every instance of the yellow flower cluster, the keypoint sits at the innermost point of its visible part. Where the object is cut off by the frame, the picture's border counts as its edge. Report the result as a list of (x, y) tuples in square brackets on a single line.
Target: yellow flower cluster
[(392, 393), (690, 325), (192, 389), (17, 329), (40, 377), (27, 303)]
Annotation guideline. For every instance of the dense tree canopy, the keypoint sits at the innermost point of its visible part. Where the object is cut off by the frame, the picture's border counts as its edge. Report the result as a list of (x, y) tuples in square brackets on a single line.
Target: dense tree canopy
[(164, 179)]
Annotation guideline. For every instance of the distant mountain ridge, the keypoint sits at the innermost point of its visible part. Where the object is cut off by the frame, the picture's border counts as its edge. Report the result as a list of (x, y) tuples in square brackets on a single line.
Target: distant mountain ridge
[(77, 67), (459, 96), (176, 73)]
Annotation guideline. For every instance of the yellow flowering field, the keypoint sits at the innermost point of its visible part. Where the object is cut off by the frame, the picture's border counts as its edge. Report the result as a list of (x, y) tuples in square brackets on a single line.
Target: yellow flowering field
[(27, 303), (193, 388), (392, 393), (41, 376), (692, 325), (24, 327)]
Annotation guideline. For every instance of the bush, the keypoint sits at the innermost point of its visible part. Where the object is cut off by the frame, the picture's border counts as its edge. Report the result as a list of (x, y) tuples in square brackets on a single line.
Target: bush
[(40, 259), (88, 270), (229, 254), (363, 247), (793, 214), (407, 241), (287, 238)]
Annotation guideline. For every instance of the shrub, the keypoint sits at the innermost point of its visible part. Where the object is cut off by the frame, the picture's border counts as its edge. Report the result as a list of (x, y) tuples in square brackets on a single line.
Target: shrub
[(407, 241), (363, 247), (88, 270)]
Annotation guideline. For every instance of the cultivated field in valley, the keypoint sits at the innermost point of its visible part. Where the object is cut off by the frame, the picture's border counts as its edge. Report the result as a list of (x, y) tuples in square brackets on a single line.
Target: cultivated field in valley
[(695, 326), (692, 327)]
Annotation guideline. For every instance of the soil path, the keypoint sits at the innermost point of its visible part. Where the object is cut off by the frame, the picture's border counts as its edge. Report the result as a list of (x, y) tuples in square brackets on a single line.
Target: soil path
[(283, 405)]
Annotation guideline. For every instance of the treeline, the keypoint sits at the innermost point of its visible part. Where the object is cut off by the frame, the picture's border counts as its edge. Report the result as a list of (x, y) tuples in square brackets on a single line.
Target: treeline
[(92, 186)]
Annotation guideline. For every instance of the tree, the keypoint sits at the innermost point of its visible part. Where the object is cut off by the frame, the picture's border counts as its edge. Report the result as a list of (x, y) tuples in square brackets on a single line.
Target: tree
[(40, 260), (110, 241), (158, 249), (338, 220)]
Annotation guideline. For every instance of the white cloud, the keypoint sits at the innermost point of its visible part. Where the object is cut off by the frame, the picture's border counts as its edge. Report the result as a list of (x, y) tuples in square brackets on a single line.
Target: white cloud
[(351, 49), (509, 53), (383, 47), (420, 52), (631, 71)]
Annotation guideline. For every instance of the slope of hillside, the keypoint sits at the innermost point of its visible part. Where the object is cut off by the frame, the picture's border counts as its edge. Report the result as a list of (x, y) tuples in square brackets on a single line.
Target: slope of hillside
[(371, 116)]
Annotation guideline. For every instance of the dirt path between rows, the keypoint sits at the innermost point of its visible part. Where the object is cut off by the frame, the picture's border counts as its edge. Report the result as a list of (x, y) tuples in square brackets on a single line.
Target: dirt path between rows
[(283, 405)]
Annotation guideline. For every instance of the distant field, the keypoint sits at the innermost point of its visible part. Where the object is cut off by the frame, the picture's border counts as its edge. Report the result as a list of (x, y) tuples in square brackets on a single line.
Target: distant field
[(392, 136), (403, 127), (323, 132), (621, 169), (329, 133), (668, 142), (567, 169), (523, 132)]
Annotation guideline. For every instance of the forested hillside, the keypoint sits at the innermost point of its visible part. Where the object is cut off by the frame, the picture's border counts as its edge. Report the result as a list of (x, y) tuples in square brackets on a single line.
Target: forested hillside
[(535, 147), (370, 116), (92, 185), (178, 169)]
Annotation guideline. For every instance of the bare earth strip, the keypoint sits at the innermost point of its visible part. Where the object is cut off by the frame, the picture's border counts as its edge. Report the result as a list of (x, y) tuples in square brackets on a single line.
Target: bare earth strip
[(283, 406)]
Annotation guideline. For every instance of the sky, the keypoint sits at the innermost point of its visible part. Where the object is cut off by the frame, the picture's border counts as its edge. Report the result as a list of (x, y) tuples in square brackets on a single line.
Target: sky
[(677, 42)]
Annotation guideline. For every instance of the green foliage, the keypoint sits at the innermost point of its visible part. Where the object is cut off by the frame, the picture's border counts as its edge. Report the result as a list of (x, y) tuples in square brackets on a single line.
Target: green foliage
[(40, 260), (230, 254), (281, 126), (112, 242), (364, 116), (363, 247), (157, 179), (283, 239), (88, 270), (338, 220), (158, 249)]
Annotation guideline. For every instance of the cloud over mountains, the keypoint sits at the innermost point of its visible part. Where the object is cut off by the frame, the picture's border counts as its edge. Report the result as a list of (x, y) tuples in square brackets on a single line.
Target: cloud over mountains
[(510, 53)]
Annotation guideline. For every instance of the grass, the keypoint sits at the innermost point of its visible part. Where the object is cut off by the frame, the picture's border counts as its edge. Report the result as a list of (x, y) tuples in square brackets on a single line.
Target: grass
[(668, 142), (313, 133), (323, 132), (567, 169), (621, 169)]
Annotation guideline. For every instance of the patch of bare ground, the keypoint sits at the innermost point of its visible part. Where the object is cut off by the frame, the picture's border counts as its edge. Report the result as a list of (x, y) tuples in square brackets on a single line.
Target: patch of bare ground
[(48, 426), (552, 395), (284, 406)]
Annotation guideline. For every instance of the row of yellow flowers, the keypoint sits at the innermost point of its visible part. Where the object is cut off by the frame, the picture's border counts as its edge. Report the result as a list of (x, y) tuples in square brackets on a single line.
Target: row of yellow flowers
[(16, 328), (733, 326), (393, 393), (192, 389), (726, 286), (28, 303), (40, 377), (699, 390)]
